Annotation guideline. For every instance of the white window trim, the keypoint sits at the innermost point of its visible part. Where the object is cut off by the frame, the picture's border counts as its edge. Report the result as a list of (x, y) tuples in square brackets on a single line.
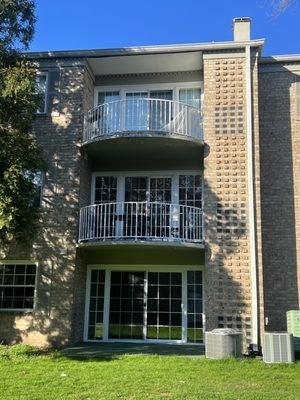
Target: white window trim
[(122, 175), (44, 73), (146, 268), (123, 89), (20, 262)]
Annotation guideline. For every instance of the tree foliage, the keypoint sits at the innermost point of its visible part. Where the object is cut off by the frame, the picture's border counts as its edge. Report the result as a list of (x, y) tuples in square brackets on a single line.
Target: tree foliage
[(20, 156)]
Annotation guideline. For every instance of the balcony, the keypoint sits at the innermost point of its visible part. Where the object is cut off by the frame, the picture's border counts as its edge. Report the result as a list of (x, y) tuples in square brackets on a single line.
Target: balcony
[(144, 129), (142, 116), (141, 222)]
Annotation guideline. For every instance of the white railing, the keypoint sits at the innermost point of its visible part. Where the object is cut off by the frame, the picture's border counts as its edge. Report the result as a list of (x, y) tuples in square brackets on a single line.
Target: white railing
[(141, 221), (143, 115)]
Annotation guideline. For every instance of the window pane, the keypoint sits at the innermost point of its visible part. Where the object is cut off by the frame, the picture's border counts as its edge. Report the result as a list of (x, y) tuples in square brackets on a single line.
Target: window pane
[(40, 88), (191, 97), (17, 283)]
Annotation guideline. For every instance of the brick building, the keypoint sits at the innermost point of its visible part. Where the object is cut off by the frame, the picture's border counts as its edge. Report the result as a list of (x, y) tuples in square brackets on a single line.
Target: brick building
[(171, 204)]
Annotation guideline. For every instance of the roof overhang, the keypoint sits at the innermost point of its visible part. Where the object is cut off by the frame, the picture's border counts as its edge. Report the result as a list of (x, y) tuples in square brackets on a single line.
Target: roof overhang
[(148, 59), (143, 50), (280, 59), (146, 63)]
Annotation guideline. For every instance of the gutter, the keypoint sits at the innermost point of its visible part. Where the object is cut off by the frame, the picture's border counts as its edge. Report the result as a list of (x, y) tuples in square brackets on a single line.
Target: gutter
[(252, 241), (145, 50)]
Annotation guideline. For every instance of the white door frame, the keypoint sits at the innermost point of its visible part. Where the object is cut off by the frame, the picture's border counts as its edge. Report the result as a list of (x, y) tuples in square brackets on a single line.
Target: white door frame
[(174, 86), (174, 174), (146, 268)]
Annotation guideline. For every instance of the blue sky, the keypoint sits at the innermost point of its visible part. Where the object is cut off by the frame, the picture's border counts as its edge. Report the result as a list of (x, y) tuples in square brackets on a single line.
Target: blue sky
[(90, 24)]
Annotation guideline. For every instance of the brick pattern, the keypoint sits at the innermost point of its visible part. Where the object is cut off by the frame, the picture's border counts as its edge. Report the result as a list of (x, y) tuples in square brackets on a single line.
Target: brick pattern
[(54, 248), (240, 323), (280, 191), (228, 281)]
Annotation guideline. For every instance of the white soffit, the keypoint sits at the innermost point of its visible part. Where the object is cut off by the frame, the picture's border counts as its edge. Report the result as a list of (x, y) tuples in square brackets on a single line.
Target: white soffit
[(133, 64)]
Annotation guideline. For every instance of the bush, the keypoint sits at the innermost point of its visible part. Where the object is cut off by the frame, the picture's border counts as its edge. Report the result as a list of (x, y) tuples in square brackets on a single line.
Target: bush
[(21, 351)]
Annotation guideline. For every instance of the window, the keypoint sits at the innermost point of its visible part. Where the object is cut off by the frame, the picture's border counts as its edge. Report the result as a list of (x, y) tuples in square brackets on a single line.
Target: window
[(17, 285), (38, 180), (41, 91)]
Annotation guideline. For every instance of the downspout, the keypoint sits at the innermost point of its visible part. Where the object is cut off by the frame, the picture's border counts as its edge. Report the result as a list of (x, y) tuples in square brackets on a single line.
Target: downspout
[(252, 241)]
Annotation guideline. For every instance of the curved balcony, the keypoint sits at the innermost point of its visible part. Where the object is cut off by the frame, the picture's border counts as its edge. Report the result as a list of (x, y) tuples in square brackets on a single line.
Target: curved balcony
[(130, 117), (141, 221), (143, 129)]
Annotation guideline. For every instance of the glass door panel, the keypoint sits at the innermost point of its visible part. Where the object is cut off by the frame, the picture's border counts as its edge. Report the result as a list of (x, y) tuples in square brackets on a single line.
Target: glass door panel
[(136, 188), (96, 303), (160, 193), (160, 111), (105, 189), (190, 194), (136, 111), (164, 299), (135, 212), (109, 116), (105, 214), (191, 97), (190, 190), (194, 307), (127, 302)]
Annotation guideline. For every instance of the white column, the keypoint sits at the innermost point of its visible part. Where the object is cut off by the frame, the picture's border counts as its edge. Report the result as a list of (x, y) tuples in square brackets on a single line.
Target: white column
[(106, 304), (87, 304)]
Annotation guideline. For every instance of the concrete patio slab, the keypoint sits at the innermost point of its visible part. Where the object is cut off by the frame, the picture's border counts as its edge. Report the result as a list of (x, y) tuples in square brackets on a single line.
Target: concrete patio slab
[(113, 350)]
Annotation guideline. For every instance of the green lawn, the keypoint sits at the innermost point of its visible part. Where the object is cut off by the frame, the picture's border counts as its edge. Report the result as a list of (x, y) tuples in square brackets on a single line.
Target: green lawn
[(27, 374)]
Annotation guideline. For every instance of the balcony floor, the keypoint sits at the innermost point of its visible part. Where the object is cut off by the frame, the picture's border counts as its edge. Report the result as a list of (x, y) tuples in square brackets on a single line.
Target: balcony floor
[(109, 244)]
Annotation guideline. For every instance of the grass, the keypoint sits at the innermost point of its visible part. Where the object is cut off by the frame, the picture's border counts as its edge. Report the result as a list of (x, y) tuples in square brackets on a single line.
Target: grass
[(30, 374)]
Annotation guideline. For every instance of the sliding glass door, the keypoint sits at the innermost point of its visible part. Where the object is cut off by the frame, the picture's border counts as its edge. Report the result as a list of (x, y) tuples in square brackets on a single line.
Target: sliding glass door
[(145, 305), (147, 206), (147, 110)]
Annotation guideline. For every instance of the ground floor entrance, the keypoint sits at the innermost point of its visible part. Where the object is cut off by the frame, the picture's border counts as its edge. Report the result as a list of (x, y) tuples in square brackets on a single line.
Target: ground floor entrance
[(144, 304)]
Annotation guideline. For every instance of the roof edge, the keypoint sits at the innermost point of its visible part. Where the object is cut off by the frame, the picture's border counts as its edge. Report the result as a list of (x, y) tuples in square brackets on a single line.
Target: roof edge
[(179, 48), (280, 58)]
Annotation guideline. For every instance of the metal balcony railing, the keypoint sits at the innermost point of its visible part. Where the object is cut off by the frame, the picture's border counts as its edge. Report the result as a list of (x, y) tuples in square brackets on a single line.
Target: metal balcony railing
[(141, 221), (123, 117)]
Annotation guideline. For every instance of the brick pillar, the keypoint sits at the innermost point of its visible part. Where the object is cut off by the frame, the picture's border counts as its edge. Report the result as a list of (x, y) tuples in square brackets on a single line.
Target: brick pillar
[(228, 277)]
